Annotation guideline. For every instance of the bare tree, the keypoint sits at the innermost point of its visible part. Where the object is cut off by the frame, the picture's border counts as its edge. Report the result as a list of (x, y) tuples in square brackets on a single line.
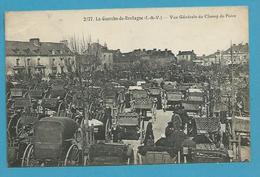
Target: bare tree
[(79, 45)]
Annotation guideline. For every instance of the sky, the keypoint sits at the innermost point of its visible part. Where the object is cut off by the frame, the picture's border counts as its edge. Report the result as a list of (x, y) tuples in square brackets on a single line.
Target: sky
[(216, 28)]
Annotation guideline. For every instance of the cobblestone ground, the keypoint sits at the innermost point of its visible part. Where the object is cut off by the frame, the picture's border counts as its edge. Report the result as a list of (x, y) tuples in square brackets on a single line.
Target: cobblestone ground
[(162, 119)]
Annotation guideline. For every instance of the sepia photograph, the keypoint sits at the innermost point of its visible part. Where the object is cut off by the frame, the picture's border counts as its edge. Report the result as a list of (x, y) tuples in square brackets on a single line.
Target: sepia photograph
[(127, 86)]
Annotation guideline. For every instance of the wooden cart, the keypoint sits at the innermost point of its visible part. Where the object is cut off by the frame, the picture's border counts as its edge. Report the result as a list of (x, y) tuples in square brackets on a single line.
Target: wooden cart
[(57, 148)]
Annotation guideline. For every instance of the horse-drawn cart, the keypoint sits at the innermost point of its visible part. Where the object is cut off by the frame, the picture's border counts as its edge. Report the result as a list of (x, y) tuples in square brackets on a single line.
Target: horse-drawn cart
[(128, 126), (207, 142), (171, 99), (146, 107), (155, 93), (56, 148)]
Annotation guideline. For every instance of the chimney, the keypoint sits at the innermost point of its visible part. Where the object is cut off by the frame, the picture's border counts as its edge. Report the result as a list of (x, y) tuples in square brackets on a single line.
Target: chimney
[(35, 41), (65, 42)]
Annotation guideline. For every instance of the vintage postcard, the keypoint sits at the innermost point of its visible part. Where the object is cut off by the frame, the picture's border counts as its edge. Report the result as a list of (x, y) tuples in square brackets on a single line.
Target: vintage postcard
[(127, 86)]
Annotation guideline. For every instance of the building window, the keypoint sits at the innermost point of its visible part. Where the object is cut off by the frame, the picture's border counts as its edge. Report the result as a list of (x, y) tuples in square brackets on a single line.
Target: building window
[(38, 61), (28, 61), (17, 61)]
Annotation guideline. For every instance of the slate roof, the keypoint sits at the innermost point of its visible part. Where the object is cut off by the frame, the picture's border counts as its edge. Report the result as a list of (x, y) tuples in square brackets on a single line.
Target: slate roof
[(240, 48), (137, 53), (21, 48), (186, 53)]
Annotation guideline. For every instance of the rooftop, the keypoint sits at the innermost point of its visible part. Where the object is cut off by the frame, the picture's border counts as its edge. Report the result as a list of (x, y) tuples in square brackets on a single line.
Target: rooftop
[(189, 52), (36, 48), (238, 48)]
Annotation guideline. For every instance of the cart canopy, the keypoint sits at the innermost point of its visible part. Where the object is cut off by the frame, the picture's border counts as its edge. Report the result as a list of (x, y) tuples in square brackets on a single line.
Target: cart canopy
[(207, 125), (174, 96), (22, 103), (128, 119), (155, 91), (143, 103), (50, 135)]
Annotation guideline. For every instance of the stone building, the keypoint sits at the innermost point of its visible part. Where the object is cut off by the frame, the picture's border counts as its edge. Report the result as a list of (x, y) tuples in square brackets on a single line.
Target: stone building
[(154, 57), (211, 59), (240, 54), (34, 56), (107, 58), (186, 56)]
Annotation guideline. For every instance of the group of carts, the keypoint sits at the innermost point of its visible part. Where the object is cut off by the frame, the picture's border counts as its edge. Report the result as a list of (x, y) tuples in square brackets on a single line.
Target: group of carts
[(62, 123)]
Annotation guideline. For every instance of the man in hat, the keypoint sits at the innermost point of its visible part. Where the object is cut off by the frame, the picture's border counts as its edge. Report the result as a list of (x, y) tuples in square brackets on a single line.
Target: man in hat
[(169, 129)]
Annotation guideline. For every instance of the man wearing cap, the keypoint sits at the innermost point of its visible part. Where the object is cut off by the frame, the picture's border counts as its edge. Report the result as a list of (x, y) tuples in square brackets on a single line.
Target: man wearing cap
[(169, 129)]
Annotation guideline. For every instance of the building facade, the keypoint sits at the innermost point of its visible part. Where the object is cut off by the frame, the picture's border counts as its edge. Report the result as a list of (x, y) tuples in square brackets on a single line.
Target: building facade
[(33, 56), (211, 59), (240, 54), (154, 57), (186, 56)]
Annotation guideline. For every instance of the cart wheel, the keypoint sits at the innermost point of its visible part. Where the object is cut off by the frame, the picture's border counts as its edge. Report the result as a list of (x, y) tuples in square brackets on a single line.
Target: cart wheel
[(86, 160), (28, 159), (72, 156), (18, 127), (130, 157), (108, 130), (139, 159), (23, 164), (11, 128), (141, 128)]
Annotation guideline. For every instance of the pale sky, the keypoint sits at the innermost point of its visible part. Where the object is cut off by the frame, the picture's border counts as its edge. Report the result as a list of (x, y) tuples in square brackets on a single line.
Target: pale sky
[(203, 35)]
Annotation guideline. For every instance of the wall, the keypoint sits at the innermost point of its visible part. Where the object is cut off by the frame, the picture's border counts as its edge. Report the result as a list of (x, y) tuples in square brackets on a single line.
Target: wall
[(107, 59), (47, 61)]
